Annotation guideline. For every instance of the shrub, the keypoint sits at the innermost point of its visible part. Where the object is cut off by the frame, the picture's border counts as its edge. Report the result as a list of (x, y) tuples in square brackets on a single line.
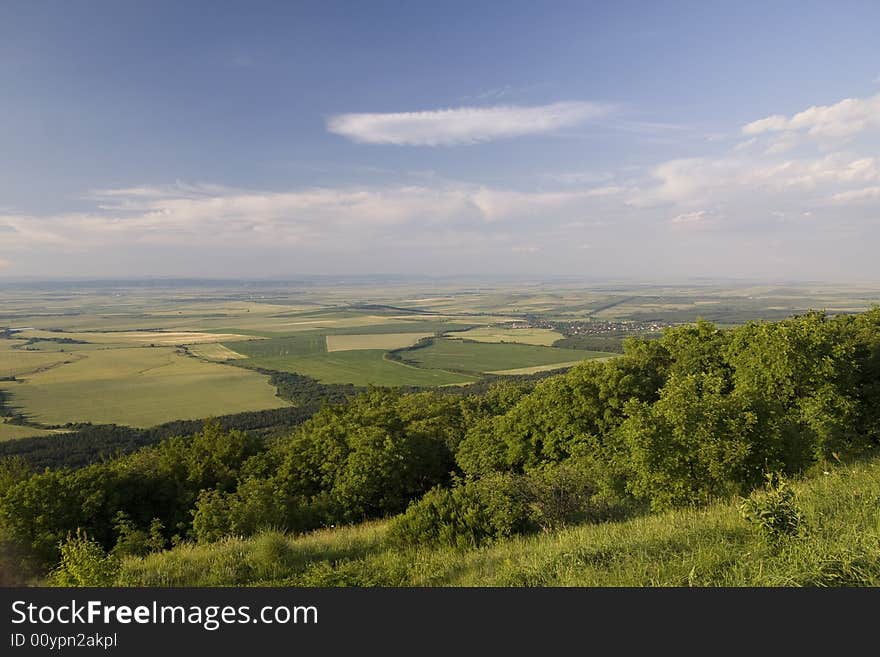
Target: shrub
[(84, 563), (562, 494), (469, 514), (775, 512)]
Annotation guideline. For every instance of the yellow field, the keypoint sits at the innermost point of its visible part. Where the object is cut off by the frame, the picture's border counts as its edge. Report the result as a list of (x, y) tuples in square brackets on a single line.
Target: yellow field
[(139, 387), (376, 341), (539, 336), (163, 338), (215, 352)]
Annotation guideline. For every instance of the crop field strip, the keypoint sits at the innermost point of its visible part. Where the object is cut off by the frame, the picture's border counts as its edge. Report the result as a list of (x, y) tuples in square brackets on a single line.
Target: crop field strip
[(385, 341), (534, 336), (159, 337), (215, 352)]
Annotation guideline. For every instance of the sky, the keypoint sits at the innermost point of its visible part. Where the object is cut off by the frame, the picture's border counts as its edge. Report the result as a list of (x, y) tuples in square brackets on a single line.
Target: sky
[(641, 140)]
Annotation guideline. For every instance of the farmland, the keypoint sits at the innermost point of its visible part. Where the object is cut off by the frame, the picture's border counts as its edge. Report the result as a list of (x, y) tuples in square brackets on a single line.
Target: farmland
[(215, 352), (137, 354), (139, 387), (538, 336), (363, 367), (383, 341), (490, 357)]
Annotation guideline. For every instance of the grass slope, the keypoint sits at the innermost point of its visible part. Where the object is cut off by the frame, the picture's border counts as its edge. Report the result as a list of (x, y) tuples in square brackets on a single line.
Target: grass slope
[(694, 547)]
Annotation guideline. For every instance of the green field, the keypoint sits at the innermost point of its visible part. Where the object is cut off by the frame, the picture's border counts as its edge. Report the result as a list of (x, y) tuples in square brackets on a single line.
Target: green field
[(361, 367), (138, 387), (491, 357), (373, 341), (538, 336), (274, 352)]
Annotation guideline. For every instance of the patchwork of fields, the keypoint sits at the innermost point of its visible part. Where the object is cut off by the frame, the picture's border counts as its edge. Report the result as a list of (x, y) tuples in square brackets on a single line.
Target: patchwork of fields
[(140, 355)]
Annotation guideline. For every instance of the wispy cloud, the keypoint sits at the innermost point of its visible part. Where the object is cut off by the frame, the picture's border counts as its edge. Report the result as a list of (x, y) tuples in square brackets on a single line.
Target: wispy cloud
[(463, 125)]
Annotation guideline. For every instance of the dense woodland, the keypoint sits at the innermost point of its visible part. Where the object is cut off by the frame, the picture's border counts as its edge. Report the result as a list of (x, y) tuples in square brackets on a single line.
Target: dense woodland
[(698, 415)]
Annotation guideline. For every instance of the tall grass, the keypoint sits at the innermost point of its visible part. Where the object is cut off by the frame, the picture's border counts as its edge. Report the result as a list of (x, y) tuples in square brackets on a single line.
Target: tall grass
[(714, 546)]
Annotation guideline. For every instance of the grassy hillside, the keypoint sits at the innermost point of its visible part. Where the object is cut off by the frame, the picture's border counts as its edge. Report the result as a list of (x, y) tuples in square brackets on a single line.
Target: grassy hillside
[(714, 546)]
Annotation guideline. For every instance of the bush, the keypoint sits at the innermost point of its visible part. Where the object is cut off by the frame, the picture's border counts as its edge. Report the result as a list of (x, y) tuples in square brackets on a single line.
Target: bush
[(467, 515), (775, 512), (563, 494), (84, 563)]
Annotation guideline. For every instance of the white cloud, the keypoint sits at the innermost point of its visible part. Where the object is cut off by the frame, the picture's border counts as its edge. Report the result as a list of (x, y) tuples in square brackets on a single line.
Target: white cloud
[(762, 205), (690, 218), (768, 124), (463, 125), (704, 181), (864, 194), (837, 122)]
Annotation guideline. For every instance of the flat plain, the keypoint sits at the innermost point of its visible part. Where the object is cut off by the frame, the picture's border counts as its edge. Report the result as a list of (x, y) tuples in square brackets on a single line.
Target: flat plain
[(139, 353)]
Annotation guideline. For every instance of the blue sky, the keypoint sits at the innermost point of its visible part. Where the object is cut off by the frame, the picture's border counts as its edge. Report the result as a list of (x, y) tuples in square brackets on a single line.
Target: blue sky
[(621, 140)]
